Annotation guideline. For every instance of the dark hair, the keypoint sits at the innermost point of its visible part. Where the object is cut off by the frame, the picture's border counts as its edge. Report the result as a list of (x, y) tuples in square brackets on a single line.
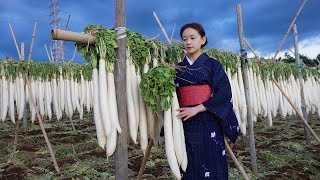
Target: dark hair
[(197, 27)]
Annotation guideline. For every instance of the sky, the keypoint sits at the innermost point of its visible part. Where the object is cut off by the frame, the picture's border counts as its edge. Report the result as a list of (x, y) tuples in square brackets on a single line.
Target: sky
[(264, 22)]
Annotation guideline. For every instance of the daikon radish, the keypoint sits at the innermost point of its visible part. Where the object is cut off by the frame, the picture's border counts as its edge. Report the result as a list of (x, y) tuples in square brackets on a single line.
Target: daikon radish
[(170, 152)]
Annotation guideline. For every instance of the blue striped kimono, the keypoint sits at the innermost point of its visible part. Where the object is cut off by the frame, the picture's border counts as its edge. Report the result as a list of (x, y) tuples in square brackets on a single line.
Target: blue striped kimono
[(204, 133)]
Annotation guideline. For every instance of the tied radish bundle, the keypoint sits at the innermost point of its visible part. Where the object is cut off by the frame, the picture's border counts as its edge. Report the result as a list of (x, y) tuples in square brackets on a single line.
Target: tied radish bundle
[(159, 82)]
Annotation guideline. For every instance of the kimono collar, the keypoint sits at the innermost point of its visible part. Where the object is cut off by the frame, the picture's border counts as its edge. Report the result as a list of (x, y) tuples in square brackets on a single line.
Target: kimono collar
[(203, 57)]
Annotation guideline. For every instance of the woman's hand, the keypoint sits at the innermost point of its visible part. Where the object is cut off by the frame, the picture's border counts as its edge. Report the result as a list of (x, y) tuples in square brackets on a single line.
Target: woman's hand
[(188, 112)]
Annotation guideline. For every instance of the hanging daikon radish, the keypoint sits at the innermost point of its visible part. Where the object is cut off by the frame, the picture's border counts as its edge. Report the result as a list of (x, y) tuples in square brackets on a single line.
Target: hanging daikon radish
[(169, 144), (61, 90), (143, 130), (56, 107), (130, 106), (4, 97), (40, 97), (22, 97), (177, 130), (68, 105), (134, 91), (132, 122), (48, 98), (103, 99), (96, 106), (150, 115), (11, 101), (112, 98), (243, 105)]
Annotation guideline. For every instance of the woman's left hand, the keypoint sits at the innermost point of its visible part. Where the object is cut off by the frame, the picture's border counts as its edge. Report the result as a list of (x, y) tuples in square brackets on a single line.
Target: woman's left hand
[(188, 112)]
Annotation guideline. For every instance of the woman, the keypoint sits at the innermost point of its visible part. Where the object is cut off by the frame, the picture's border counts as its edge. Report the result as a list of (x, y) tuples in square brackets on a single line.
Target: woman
[(204, 95)]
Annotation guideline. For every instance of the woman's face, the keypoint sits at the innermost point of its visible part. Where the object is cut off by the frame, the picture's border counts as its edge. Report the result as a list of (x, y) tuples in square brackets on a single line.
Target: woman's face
[(192, 41)]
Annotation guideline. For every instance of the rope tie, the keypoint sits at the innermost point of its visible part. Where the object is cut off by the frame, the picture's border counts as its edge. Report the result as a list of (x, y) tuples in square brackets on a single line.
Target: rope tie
[(121, 32)]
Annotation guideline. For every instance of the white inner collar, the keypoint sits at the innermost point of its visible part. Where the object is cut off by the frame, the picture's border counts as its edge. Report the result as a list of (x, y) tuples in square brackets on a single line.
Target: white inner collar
[(189, 60)]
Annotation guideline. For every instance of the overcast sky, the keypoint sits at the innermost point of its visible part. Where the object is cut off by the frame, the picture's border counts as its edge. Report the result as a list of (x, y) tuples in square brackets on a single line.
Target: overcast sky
[(265, 22)]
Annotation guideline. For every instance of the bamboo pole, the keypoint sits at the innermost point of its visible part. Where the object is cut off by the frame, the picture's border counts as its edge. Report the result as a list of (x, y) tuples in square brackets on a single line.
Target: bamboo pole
[(296, 109), (252, 50), (299, 58), (121, 153), (162, 28), (303, 101), (36, 106), (22, 51), (24, 119), (15, 41), (32, 40), (236, 162), (174, 26), (45, 46), (289, 29), (59, 34), (247, 93), (51, 53)]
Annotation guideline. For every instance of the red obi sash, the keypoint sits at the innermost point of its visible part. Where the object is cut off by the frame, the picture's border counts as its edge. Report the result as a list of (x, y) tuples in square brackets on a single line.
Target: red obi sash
[(191, 95)]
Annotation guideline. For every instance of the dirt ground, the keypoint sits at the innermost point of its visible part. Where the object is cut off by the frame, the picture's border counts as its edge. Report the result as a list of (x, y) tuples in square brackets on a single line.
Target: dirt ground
[(281, 152)]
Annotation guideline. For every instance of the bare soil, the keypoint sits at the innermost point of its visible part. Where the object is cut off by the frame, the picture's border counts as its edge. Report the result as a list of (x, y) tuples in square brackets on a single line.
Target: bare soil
[(281, 151)]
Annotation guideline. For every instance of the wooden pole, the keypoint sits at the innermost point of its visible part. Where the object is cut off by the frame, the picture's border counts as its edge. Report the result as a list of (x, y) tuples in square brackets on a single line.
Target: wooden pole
[(161, 27), (236, 162), (32, 39), (15, 41), (303, 101), (246, 86), (296, 109), (59, 34), (289, 29), (250, 47), (121, 153)]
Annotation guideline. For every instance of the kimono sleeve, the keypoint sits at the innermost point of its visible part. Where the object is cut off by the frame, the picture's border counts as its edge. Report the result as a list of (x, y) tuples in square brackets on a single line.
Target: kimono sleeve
[(219, 104)]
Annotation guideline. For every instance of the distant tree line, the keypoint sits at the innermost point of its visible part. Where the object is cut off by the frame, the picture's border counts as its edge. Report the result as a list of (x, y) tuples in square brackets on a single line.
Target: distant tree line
[(305, 59)]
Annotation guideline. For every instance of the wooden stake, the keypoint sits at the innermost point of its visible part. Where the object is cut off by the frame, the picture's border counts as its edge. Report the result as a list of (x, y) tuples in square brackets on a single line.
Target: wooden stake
[(289, 29), (303, 101), (32, 39), (297, 111), (236, 162), (250, 47), (15, 41), (121, 153), (161, 27), (247, 93), (145, 159), (72, 124), (16, 134)]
